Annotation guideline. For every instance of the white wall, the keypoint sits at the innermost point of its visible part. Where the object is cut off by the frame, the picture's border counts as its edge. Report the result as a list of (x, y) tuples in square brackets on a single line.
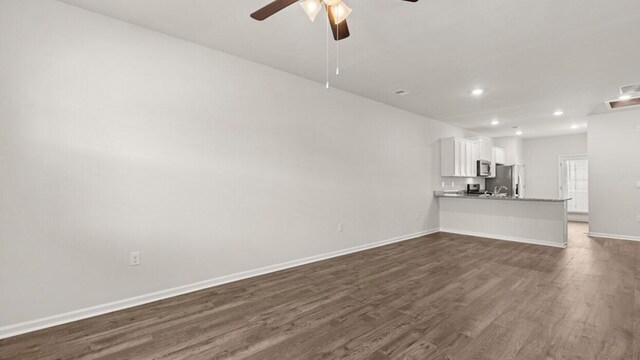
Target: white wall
[(614, 170), (541, 157), (114, 138)]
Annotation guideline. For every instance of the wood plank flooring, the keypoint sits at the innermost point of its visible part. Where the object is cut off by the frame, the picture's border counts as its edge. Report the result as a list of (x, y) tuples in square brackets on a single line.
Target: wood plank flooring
[(442, 296)]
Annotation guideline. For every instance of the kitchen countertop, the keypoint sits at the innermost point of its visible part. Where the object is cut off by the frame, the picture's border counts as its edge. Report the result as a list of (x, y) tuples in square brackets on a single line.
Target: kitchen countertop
[(463, 195)]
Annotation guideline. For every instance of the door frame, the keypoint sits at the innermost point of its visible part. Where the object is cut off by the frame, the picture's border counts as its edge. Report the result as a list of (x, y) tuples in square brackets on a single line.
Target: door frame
[(574, 215)]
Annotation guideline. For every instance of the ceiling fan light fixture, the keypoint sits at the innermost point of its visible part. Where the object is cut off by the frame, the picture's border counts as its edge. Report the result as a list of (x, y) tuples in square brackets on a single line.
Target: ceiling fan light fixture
[(311, 8), (331, 2), (340, 12)]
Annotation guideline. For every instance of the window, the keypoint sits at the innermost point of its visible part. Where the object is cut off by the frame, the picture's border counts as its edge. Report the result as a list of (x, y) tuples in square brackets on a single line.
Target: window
[(575, 183)]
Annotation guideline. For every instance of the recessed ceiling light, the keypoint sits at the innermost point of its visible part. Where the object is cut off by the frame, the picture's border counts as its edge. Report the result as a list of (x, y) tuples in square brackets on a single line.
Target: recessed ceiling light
[(558, 113), (519, 132), (495, 122), (574, 126), (401, 92), (624, 97), (477, 92)]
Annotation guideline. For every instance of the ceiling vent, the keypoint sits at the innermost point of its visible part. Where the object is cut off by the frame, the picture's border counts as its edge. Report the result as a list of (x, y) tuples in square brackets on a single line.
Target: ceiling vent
[(629, 89), (624, 104), (401, 92)]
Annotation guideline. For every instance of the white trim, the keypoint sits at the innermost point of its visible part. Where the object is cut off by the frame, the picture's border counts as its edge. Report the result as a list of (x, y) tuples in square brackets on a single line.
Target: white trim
[(614, 236), (561, 182), (504, 237), (33, 325), (579, 217)]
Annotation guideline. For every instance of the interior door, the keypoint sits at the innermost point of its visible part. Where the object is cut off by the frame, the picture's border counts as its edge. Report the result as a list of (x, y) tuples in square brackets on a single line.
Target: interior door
[(574, 183)]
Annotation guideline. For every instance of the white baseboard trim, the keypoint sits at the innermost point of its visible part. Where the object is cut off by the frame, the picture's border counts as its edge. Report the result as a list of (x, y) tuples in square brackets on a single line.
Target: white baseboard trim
[(504, 237), (614, 236), (38, 324)]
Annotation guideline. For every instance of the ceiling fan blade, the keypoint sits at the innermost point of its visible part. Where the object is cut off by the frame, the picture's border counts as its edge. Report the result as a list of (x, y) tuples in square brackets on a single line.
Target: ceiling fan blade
[(271, 9), (340, 31)]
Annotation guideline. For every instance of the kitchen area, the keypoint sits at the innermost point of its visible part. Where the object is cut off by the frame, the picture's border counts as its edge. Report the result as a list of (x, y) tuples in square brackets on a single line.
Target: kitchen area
[(494, 203)]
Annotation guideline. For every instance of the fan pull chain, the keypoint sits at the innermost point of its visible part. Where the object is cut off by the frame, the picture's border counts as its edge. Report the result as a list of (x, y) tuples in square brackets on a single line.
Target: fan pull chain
[(327, 85)]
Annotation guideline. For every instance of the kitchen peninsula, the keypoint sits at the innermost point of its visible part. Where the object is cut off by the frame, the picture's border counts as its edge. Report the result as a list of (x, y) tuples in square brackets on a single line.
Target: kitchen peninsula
[(527, 220)]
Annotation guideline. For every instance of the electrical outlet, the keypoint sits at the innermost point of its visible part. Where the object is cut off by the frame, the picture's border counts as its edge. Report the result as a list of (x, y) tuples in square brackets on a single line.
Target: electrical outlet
[(340, 227), (443, 184), (134, 258), (512, 219), (453, 184)]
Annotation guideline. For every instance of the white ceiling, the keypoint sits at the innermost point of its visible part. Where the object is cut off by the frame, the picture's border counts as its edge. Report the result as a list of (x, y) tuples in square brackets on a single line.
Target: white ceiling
[(531, 56)]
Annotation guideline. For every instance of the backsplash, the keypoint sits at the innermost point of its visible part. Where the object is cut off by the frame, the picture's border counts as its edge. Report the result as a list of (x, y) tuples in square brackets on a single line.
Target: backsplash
[(456, 183)]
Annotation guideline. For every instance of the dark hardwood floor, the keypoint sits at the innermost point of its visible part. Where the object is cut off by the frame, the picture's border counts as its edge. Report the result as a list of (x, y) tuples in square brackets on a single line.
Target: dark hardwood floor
[(442, 296)]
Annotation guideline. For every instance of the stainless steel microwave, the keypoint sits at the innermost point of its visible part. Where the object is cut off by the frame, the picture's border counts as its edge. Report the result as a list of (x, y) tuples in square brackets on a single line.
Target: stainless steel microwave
[(484, 168)]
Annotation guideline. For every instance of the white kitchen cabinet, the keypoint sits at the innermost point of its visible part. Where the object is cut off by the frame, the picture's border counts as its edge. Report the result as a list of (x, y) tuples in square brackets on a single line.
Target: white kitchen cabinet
[(472, 159), (500, 156), (493, 163), (458, 157), (449, 157), (485, 147), (476, 157)]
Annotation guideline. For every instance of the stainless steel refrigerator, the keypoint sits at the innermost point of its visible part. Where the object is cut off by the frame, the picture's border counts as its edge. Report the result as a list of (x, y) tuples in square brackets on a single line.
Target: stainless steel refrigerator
[(511, 177)]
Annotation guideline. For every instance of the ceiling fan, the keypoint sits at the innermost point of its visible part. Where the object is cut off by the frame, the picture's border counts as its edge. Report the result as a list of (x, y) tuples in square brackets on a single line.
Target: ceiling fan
[(337, 11)]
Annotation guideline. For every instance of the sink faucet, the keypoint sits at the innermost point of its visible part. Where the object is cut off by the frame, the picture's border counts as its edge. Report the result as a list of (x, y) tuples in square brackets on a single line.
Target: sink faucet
[(497, 190)]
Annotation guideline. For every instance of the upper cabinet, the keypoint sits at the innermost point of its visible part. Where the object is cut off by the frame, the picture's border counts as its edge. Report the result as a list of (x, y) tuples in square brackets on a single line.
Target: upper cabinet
[(497, 157), (485, 147), (500, 156), (458, 157)]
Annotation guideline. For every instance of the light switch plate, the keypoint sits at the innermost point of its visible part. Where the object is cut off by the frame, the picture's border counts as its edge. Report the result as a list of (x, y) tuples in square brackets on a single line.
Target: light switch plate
[(638, 184)]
